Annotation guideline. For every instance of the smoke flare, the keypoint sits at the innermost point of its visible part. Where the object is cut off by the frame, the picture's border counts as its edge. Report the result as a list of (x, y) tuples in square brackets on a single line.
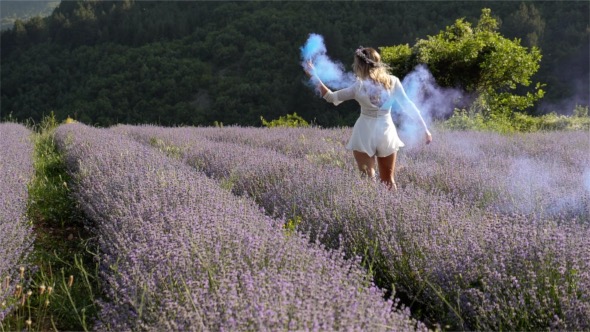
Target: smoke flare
[(330, 72)]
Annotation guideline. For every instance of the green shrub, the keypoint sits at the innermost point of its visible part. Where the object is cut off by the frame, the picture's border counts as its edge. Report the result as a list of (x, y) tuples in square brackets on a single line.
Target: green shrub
[(553, 121), (465, 120), (290, 120), (581, 111), (517, 122)]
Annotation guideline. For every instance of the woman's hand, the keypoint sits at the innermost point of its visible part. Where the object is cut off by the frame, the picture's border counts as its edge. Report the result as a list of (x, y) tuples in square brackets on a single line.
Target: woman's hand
[(309, 68), (310, 71), (428, 137)]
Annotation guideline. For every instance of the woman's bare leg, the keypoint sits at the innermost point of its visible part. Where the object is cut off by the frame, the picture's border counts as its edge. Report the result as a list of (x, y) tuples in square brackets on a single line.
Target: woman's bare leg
[(387, 170), (365, 163)]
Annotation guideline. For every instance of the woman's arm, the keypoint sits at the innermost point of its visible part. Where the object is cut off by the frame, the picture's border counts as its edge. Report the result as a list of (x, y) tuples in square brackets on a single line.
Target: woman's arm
[(309, 70), (323, 89), (334, 97), (402, 98)]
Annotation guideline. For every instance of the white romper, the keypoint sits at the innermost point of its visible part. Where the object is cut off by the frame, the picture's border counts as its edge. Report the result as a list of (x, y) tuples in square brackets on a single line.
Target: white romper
[(374, 132)]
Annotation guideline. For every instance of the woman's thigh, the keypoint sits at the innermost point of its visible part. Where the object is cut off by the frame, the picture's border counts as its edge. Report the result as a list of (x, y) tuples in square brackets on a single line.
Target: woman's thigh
[(364, 162)]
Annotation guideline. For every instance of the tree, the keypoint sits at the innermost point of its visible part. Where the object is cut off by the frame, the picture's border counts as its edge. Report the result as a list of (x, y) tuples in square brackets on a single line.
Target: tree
[(527, 24), (20, 33), (243, 55), (479, 60), (36, 30)]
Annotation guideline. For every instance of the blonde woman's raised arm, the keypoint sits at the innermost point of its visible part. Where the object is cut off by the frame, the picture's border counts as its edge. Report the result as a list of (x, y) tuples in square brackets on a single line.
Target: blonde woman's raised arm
[(399, 94)]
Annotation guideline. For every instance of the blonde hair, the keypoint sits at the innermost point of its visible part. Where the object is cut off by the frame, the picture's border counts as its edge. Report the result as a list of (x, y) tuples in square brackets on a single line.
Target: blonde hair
[(367, 65)]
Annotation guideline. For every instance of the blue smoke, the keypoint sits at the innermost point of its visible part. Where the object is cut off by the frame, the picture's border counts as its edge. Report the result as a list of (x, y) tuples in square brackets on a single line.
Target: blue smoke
[(313, 46), (332, 73)]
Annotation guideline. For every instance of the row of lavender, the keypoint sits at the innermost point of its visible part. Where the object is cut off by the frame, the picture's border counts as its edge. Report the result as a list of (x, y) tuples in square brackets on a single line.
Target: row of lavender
[(469, 267), (180, 253), (16, 170), (540, 173)]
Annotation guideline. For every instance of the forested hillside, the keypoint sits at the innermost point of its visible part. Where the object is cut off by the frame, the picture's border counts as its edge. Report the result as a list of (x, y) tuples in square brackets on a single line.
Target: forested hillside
[(107, 62)]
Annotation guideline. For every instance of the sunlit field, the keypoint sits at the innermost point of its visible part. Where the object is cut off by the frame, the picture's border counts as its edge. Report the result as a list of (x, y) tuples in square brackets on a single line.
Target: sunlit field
[(239, 228)]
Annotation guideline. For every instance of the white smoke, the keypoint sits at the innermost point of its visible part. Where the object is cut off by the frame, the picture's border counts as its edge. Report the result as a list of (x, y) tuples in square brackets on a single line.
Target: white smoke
[(433, 101)]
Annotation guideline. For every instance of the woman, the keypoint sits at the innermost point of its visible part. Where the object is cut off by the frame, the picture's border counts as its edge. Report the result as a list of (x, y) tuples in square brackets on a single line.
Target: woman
[(374, 133)]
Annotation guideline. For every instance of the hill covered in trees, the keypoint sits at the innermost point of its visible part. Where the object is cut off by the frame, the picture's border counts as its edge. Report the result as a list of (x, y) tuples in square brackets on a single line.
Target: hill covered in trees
[(107, 62)]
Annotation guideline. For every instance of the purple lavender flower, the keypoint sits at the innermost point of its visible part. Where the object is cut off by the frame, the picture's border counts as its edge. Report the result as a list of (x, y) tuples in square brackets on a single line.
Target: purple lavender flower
[(471, 237), (180, 253), (16, 170)]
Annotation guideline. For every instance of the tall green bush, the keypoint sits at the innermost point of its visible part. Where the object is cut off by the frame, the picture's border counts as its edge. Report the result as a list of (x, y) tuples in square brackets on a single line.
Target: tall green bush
[(479, 60), (289, 120)]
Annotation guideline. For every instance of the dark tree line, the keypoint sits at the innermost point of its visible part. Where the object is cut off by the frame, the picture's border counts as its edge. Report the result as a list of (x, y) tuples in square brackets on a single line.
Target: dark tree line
[(181, 62)]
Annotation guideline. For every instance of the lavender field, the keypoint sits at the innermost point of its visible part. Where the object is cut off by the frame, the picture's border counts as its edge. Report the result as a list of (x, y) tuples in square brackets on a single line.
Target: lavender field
[(16, 236), (237, 228), (181, 253), (486, 232)]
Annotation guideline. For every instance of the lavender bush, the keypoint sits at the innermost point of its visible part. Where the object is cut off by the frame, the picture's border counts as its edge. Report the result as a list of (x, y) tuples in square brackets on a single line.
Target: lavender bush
[(535, 173), (241, 169), (180, 253), (466, 262), (16, 170), (321, 146), (543, 174)]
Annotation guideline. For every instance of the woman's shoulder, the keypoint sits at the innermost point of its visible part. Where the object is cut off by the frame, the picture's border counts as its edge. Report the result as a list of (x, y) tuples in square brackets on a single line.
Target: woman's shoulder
[(357, 84), (395, 81)]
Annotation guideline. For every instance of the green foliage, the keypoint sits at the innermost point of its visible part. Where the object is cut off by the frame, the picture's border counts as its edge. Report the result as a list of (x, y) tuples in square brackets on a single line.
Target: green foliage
[(581, 111), (479, 60), (48, 191), (527, 22), (289, 120), (553, 121), (195, 62), (54, 299), (463, 119), (292, 224), (399, 57), (111, 88), (516, 122), (169, 150)]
